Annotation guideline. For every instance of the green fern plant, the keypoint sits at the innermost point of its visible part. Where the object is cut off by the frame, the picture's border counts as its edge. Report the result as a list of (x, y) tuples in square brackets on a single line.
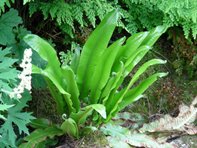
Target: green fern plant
[(70, 14), (147, 14), (4, 3), (90, 83), (138, 14)]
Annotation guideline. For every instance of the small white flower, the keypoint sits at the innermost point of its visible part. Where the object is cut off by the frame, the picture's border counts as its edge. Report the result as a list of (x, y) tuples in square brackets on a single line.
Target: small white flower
[(24, 76)]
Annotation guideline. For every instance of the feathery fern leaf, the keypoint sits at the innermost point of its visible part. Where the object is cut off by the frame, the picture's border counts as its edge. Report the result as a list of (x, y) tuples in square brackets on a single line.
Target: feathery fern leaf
[(150, 13), (119, 136), (4, 3), (186, 116), (69, 14)]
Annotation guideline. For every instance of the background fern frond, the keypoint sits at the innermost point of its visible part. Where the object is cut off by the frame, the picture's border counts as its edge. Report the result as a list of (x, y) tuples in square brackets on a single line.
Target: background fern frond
[(4, 3), (69, 15)]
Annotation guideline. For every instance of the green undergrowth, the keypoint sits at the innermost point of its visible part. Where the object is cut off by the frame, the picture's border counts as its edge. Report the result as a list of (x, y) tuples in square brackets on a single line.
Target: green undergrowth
[(179, 87), (165, 96)]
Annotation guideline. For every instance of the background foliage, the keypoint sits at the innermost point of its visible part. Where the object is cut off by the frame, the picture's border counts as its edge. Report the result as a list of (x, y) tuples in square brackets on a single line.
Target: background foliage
[(13, 119), (72, 13), (142, 14), (65, 21), (137, 14)]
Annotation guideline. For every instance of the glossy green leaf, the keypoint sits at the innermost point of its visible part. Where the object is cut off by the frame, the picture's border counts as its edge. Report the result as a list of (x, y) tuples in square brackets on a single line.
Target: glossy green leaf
[(100, 109), (26, 1), (135, 59), (81, 116), (130, 47), (93, 50), (153, 35), (69, 126), (75, 60), (41, 135), (113, 103), (72, 89), (46, 52), (135, 93), (103, 70), (40, 123), (52, 70), (60, 99), (143, 68), (57, 96), (137, 51), (112, 84), (96, 76), (36, 70), (128, 67)]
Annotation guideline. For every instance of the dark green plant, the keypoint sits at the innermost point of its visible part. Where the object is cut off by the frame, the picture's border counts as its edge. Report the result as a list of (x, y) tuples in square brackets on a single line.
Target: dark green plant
[(68, 13), (12, 32), (5, 3), (147, 14), (8, 21), (90, 83), (13, 119), (138, 14), (43, 135)]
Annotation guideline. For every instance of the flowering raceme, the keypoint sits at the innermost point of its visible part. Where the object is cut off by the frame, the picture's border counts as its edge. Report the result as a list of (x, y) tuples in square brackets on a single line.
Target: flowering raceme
[(24, 76)]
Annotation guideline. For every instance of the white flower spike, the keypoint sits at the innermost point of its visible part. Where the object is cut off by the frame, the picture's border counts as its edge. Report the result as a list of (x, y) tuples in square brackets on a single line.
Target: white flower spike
[(24, 76)]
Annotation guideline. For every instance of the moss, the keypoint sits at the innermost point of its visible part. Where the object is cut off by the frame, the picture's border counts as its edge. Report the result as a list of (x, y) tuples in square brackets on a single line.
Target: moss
[(96, 140), (44, 106)]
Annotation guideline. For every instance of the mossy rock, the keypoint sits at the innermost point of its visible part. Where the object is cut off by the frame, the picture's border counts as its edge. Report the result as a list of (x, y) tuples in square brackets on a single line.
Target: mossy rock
[(44, 106)]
